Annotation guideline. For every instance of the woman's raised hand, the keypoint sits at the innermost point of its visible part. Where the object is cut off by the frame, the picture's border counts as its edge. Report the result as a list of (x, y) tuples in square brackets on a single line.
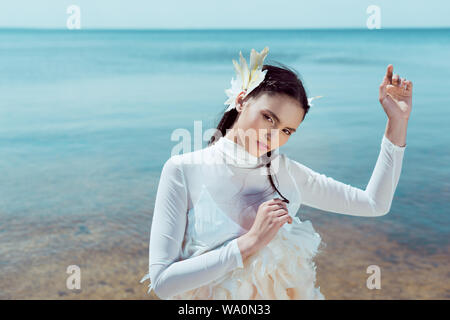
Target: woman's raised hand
[(396, 95)]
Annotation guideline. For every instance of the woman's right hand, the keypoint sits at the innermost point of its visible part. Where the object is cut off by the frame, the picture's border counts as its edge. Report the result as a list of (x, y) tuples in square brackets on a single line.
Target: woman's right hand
[(271, 216)]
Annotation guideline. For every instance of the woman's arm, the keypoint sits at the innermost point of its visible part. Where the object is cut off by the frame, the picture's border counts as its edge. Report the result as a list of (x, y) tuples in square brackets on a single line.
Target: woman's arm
[(322, 192), (325, 193), (169, 276)]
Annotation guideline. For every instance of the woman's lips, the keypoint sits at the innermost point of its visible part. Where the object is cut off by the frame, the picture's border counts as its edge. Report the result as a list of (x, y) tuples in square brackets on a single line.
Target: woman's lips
[(262, 146)]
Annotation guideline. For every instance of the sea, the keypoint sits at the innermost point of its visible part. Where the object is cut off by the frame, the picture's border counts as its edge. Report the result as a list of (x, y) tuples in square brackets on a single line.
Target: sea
[(87, 120)]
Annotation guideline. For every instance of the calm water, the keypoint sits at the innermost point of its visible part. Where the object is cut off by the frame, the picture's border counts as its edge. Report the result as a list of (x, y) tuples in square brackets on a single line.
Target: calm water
[(86, 119)]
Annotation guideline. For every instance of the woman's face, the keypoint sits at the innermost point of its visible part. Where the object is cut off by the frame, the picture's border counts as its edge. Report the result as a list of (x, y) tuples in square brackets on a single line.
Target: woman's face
[(266, 123)]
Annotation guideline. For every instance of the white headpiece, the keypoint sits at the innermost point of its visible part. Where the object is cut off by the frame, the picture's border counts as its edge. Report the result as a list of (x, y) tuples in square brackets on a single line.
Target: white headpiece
[(248, 79)]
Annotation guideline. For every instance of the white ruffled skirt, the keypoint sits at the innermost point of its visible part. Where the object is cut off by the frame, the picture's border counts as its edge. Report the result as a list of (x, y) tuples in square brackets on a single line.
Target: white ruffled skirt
[(282, 270)]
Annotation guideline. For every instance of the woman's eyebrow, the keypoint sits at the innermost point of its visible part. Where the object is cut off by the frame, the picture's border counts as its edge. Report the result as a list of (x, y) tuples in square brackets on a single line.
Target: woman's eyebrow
[(277, 119)]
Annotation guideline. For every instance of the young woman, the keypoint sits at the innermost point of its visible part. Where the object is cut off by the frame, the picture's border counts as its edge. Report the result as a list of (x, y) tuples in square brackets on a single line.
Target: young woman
[(219, 225)]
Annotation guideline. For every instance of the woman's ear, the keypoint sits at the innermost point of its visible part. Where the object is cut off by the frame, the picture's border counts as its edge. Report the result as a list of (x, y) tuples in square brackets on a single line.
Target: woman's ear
[(240, 102)]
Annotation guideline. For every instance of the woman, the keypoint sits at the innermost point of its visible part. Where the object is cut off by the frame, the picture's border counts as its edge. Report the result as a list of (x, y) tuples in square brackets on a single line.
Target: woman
[(219, 226)]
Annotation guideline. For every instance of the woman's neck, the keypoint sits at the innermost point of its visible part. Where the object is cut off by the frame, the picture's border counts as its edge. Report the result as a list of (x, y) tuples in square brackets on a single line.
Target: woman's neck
[(234, 137)]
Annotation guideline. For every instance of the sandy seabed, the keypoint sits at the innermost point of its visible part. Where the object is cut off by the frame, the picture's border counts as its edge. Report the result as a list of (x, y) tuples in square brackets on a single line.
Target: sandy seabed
[(113, 269)]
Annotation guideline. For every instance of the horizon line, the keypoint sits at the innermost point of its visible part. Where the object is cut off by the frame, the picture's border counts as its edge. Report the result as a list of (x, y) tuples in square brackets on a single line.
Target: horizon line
[(217, 29)]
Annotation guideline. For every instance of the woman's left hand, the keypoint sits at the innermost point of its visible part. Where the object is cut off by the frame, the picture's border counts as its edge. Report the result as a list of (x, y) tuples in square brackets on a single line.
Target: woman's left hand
[(396, 95)]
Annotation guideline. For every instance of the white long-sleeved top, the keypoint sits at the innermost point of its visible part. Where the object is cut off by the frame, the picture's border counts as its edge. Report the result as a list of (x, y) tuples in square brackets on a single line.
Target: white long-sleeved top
[(207, 198)]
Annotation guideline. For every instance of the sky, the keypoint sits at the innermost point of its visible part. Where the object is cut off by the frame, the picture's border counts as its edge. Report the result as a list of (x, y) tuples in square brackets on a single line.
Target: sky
[(224, 14)]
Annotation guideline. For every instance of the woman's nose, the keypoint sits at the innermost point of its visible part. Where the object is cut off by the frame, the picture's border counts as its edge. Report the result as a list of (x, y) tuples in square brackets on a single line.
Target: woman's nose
[(272, 135)]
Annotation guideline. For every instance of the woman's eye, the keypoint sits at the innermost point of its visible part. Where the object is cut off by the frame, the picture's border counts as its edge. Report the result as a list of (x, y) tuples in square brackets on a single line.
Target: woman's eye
[(268, 118), (288, 132)]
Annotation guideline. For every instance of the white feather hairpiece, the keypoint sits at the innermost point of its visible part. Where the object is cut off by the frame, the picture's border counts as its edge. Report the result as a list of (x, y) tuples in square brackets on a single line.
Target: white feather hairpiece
[(313, 98), (248, 79)]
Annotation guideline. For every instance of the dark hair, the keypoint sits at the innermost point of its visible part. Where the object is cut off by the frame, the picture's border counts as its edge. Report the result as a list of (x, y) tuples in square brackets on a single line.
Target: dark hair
[(278, 80)]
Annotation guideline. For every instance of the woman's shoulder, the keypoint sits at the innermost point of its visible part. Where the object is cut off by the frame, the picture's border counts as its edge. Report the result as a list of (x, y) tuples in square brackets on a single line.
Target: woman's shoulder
[(300, 171), (285, 160)]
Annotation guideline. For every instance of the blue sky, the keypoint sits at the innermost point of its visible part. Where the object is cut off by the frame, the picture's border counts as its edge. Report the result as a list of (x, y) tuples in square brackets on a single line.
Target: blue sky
[(199, 14)]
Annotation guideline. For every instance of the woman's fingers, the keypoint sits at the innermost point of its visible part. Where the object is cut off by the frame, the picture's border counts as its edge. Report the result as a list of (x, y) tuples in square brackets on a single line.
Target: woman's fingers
[(283, 219), (389, 71), (387, 80), (277, 205), (396, 80), (402, 83), (274, 200), (409, 85), (280, 212)]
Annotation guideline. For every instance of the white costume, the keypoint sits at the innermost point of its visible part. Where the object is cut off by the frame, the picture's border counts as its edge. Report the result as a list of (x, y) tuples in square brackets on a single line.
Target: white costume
[(207, 198)]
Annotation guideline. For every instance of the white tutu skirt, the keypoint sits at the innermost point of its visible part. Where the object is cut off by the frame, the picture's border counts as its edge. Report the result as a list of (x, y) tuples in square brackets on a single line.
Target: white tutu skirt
[(282, 270)]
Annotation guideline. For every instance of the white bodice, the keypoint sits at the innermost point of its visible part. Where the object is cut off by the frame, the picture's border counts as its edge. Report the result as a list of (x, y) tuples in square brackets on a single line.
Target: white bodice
[(225, 197)]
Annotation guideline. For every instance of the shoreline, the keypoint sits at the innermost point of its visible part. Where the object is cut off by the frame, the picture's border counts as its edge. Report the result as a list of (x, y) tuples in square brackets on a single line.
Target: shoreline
[(113, 271)]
